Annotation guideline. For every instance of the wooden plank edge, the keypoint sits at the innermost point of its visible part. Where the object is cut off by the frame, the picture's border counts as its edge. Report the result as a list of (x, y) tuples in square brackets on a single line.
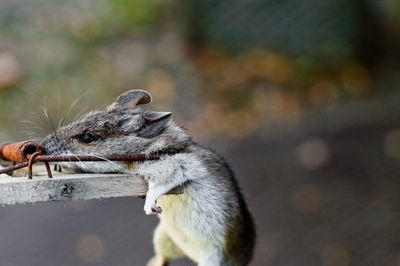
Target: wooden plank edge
[(72, 187)]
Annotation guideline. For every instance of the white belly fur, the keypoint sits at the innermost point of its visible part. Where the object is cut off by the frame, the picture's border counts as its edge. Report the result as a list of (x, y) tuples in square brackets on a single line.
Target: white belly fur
[(183, 225)]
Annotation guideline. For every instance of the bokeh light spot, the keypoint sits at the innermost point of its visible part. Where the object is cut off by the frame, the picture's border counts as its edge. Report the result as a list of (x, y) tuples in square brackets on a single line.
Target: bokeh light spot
[(90, 248), (306, 198), (384, 194), (335, 255), (356, 80), (9, 70), (323, 91), (392, 143), (313, 153)]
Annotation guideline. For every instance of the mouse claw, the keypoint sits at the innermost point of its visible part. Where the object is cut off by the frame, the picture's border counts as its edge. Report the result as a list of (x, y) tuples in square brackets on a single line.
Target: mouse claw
[(152, 208), (156, 210)]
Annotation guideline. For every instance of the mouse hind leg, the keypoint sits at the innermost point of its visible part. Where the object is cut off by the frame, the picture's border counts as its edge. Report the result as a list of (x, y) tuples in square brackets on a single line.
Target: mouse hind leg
[(164, 247)]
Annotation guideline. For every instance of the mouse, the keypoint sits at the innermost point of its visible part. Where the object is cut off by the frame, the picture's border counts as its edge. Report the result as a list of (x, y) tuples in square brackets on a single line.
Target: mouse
[(209, 222)]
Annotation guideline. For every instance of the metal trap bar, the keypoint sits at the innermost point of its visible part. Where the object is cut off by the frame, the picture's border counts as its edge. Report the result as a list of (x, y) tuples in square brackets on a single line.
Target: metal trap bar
[(28, 153)]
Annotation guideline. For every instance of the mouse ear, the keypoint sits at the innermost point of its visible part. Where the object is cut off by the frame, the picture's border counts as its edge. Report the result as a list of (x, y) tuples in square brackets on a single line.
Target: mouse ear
[(128, 100), (153, 123)]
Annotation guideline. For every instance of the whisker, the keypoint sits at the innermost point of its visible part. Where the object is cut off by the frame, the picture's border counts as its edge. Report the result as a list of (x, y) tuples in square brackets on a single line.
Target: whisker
[(73, 104), (101, 157), (36, 126), (58, 107), (31, 136), (29, 133), (51, 123), (40, 121), (28, 122), (80, 162)]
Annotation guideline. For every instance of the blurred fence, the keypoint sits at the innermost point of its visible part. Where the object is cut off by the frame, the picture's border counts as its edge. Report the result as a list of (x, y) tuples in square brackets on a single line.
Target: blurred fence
[(308, 28)]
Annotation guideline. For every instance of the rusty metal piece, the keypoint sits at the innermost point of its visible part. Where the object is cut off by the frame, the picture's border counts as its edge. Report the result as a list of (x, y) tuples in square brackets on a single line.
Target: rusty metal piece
[(13, 168), (31, 162), (49, 174), (28, 153), (18, 152), (95, 158), (39, 157)]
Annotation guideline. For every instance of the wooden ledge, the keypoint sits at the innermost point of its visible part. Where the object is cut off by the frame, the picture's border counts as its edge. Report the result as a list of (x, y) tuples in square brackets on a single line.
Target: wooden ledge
[(21, 190)]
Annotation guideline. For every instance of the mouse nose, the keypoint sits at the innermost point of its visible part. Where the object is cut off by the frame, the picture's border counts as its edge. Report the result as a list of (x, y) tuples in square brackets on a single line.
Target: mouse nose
[(42, 146), (42, 149)]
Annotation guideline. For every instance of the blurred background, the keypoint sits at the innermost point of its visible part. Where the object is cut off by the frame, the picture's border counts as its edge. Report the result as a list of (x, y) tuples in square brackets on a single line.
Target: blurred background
[(300, 97)]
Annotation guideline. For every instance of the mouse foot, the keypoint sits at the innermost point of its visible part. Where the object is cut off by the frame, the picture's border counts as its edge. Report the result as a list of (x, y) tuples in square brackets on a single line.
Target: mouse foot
[(150, 207)]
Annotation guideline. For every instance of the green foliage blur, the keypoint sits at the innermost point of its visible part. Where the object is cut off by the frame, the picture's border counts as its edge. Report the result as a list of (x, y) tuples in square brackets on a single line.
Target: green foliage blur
[(138, 12), (229, 66)]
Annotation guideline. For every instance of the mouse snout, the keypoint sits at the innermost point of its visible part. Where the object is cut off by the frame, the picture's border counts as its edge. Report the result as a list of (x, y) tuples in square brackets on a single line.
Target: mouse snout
[(43, 146), (42, 149), (48, 146)]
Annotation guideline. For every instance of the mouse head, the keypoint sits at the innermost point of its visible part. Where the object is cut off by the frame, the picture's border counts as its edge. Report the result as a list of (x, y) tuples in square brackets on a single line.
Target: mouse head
[(121, 128)]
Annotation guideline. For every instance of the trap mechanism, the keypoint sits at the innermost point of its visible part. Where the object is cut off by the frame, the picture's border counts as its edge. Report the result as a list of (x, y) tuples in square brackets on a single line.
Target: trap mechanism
[(26, 153)]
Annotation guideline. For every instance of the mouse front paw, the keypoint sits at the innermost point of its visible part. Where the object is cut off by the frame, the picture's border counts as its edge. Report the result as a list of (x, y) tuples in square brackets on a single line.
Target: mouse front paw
[(150, 207)]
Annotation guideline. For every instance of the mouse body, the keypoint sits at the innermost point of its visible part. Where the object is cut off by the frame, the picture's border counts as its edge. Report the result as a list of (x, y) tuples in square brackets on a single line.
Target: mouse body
[(210, 222)]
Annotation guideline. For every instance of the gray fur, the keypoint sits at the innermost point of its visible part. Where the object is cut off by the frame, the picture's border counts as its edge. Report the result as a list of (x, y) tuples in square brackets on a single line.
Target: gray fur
[(209, 222)]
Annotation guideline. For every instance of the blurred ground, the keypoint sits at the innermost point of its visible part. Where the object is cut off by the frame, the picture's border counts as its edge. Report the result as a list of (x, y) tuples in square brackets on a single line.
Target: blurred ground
[(300, 97)]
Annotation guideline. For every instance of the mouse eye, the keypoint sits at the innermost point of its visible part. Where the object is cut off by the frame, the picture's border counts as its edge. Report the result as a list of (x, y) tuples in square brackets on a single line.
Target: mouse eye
[(87, 137)]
